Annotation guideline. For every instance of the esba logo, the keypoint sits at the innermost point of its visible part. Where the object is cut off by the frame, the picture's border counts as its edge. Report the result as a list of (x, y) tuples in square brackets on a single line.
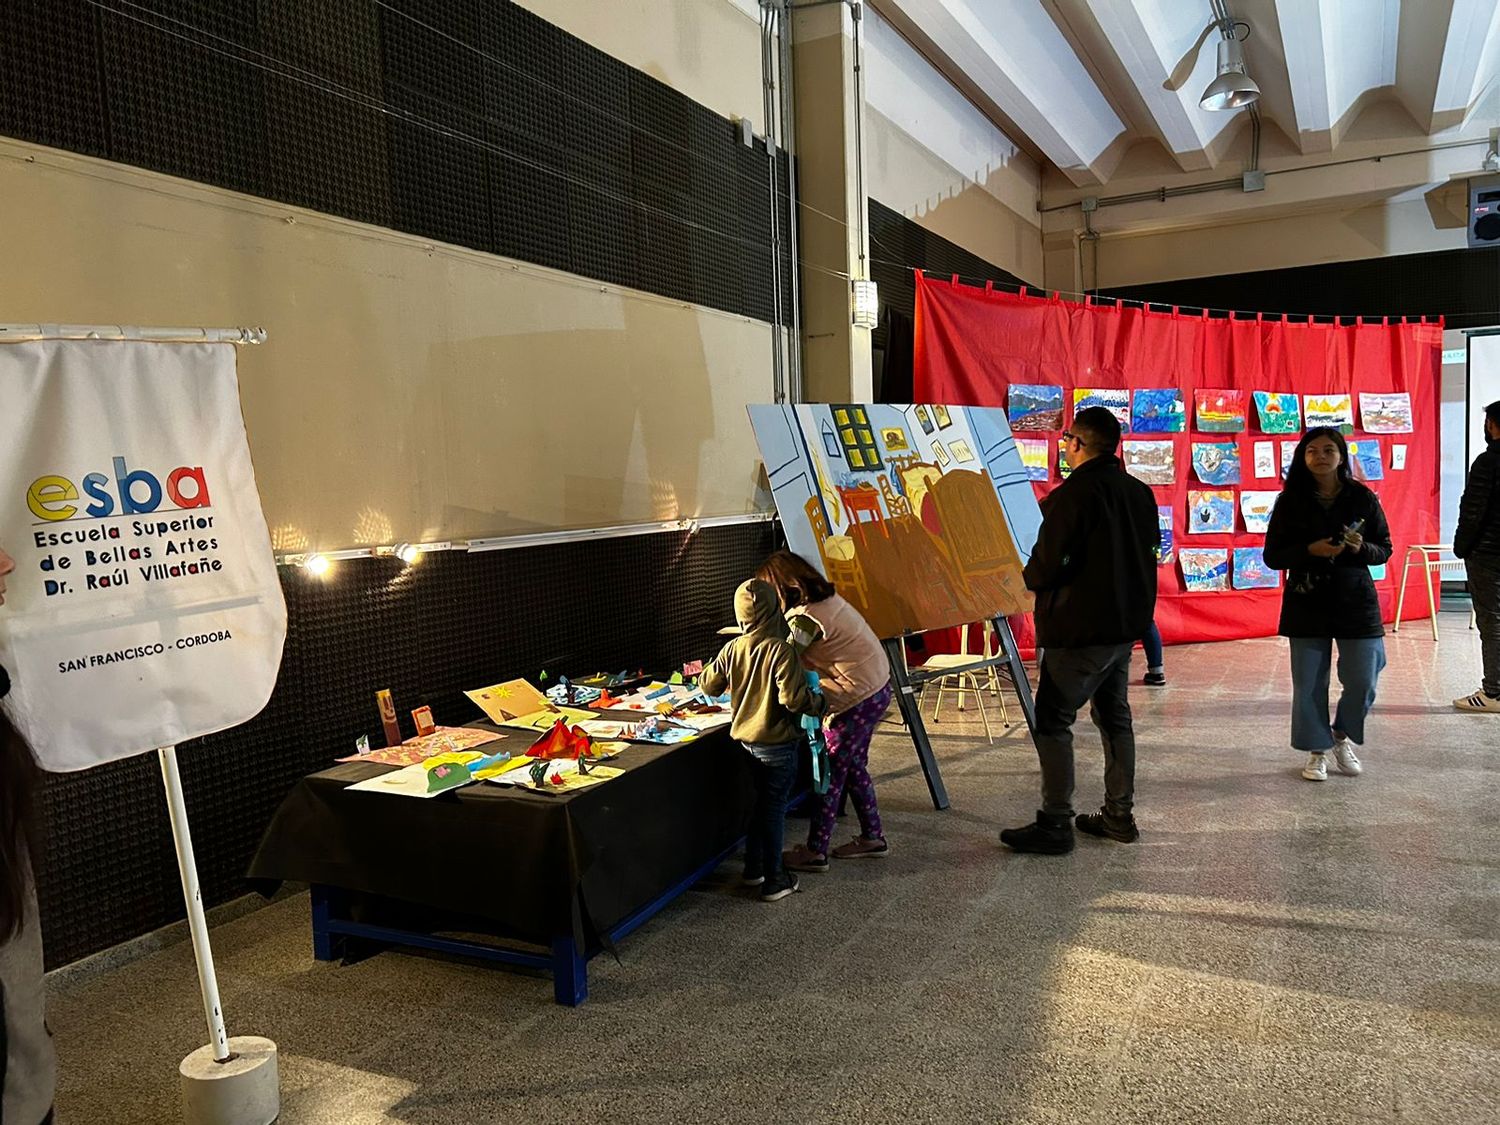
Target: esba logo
[(53, 497)]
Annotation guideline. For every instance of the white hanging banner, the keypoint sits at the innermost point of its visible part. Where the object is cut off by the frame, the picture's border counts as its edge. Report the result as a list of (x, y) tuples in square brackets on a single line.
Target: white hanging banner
[(145, 608)]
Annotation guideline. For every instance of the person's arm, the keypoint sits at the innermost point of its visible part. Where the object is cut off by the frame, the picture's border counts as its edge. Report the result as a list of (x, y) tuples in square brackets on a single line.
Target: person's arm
[(1478, 491), (804, 632), (715, 676), (1287, 546), (1371, 546), (1052, 562), (791, 684)]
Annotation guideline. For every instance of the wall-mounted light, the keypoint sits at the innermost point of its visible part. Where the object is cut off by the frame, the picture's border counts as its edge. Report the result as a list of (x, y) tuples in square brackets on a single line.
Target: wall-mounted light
[(866, 298)]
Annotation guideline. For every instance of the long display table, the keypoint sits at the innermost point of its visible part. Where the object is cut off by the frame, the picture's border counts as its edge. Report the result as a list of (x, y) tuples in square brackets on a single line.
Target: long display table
[(553, 878)]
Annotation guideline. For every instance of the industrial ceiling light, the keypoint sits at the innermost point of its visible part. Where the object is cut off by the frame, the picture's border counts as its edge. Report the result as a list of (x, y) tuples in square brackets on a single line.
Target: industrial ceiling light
[(1233, 88)]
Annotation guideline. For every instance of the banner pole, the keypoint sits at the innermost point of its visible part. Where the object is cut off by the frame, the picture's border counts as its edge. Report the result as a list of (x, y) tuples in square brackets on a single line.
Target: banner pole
[(182, 837)]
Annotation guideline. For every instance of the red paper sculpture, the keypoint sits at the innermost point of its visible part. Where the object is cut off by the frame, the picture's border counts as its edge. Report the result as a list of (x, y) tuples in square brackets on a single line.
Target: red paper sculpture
[(562, 741)]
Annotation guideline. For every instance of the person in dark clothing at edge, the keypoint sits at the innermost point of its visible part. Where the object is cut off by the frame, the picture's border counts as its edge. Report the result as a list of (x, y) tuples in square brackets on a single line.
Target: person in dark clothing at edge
[(1094, 573), (1477, 542)]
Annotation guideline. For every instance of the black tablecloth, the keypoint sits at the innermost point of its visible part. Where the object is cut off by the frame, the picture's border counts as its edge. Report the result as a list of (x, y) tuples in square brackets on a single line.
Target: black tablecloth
[(519, 860)]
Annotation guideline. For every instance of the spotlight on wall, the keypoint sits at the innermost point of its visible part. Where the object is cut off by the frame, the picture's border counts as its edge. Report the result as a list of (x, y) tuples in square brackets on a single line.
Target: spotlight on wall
[(1232, 88), (866, 303), (407, 553), (317, 565)]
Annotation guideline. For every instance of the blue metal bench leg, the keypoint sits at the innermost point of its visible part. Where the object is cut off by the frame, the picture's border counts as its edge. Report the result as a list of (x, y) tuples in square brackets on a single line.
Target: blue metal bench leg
[(570, 975), (327, 945)]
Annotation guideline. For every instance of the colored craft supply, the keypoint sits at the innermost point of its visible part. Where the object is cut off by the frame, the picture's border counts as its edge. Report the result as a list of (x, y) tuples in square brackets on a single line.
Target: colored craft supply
[(387, 707), (422, 716)]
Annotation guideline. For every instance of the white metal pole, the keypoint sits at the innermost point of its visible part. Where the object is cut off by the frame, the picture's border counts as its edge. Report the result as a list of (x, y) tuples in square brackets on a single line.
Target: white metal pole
[(208, 983)]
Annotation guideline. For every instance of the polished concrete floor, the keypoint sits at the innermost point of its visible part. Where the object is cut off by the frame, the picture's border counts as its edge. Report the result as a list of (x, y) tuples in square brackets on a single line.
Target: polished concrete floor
[(1272, 950)]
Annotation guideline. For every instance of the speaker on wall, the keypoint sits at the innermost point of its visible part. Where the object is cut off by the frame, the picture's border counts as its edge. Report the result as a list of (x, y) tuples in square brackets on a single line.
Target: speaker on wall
[(1484, 212)]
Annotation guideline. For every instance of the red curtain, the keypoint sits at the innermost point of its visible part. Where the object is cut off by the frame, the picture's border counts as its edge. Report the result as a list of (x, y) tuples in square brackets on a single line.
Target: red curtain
[(971, 344)]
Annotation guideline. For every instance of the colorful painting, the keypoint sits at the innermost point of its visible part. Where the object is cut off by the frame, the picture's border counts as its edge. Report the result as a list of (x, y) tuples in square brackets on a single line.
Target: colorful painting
[(1288, 451), (1157, 411), (917, 544), (1385, 414), (1165, 553), (1217, 462), (894, 440), (924, 419), (1210, 510), (1116, 402), (1034, 457), (1255, 510), (1204, 570), (1250, 571), (1035, 407), (1278, 413), (1154, 462), (1329, 410), (1365, 459), (1219, 412), (1064, 470)]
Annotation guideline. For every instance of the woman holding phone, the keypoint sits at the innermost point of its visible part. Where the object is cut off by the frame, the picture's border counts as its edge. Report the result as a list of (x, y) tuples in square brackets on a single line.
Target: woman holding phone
[(1326, 531)]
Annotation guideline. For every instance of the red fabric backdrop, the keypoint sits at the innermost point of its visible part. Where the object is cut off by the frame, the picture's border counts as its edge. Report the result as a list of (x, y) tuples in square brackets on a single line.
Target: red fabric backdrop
[(971, 344)]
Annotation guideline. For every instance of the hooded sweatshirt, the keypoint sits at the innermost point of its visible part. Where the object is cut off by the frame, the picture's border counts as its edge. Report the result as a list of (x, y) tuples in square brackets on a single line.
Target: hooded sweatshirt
[(766, 684)]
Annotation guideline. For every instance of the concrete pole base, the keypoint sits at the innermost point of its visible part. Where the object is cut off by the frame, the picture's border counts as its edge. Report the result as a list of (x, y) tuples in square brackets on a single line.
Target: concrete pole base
[(246, 1090)]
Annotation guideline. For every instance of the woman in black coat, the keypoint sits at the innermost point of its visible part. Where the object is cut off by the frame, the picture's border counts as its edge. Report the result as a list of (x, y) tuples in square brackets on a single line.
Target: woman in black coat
[(1326, 531)]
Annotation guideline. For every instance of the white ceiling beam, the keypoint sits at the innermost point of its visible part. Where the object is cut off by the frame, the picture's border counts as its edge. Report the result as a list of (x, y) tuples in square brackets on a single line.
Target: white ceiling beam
[(1016, 55), (1473, 28), (1307, 70)]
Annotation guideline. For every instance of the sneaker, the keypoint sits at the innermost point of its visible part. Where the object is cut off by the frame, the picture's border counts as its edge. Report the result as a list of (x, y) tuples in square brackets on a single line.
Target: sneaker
[(749, 880), (1049, 835), (778, 888), (1345, 758), (1316, 768), (1102, 824), (860, 848), (1478, 702), (803, 858), (1155, 679)]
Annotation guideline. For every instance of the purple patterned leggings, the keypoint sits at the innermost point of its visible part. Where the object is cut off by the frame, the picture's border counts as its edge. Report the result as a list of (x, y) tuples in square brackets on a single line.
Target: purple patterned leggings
[(848, 764)]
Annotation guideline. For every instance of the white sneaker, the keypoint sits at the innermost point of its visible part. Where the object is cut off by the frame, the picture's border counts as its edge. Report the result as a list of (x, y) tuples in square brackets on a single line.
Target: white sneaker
[(1316, 768), (1478, 702), (1346, 759)]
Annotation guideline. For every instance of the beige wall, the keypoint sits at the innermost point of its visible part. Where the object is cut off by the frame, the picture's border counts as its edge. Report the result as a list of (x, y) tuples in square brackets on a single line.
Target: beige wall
[(706, 49), (409, 391)]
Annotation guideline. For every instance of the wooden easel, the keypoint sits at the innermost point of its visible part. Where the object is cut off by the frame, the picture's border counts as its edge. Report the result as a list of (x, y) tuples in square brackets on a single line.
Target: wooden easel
[(908, 688)]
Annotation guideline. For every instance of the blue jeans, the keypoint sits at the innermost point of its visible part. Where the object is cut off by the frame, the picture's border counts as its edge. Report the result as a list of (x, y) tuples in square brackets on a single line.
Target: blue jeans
[(775, 771), (1151, 643), (1360, 662)]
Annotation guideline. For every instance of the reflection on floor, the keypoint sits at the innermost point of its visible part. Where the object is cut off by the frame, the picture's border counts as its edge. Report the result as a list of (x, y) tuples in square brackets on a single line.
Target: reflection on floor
[(1272, 950)]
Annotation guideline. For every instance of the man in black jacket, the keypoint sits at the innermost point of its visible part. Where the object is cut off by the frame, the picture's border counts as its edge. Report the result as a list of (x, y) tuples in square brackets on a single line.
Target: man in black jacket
[(1094, 573), (1477, 542)]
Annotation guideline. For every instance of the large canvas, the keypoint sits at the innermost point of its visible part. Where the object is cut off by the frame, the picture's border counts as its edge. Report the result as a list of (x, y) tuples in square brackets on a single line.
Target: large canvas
[(1035, 407), (916, 541), (1116, 402), (1329, 410), (1219, 412), (1151, 461), (1385, 414), (1034, 456), (1250, 571), (1210, 510), (1278, 413), (1157, 411), (1217, 462), (1204, 569)]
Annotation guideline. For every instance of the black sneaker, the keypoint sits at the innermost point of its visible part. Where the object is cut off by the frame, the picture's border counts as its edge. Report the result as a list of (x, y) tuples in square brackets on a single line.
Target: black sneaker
[(776, 889), (1102, 824), (1049, 835), (1156, 679)]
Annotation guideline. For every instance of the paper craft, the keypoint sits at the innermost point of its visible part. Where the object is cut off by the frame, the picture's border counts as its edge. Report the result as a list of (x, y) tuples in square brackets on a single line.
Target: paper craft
[(1255, 508), (558, 777), (1157, 411), (1265, 459), (1219, 412), (1365, 459), (494, 765), (1210, 511), (561, 741), (1288, 451), (607, 702), (409, 781), (693, 668), (546, 717), (1250, 572), (705, 722), (1116, 402), (508, 700), (1154, 462), (1034, 457), (1329, 410), (1217, 462), (414, 750), (1278, 413), (1035, 407), (1164, 551), (1204, 570), (565, 692), (655, 729), (1385, 414), (1064, 470), (449, 771), (656, 695), (422, 719), (1398, 458)]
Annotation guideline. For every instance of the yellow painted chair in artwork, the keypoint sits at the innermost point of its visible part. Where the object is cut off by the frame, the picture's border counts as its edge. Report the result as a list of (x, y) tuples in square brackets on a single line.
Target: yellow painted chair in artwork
[(840, 563)]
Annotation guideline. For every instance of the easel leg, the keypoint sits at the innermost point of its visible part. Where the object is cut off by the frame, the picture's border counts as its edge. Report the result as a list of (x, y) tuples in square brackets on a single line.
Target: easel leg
[(911, 710), (1017, 670)]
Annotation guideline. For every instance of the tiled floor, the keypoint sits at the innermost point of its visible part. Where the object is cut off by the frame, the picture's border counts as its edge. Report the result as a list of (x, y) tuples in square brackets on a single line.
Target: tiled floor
[(1272, 950)]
